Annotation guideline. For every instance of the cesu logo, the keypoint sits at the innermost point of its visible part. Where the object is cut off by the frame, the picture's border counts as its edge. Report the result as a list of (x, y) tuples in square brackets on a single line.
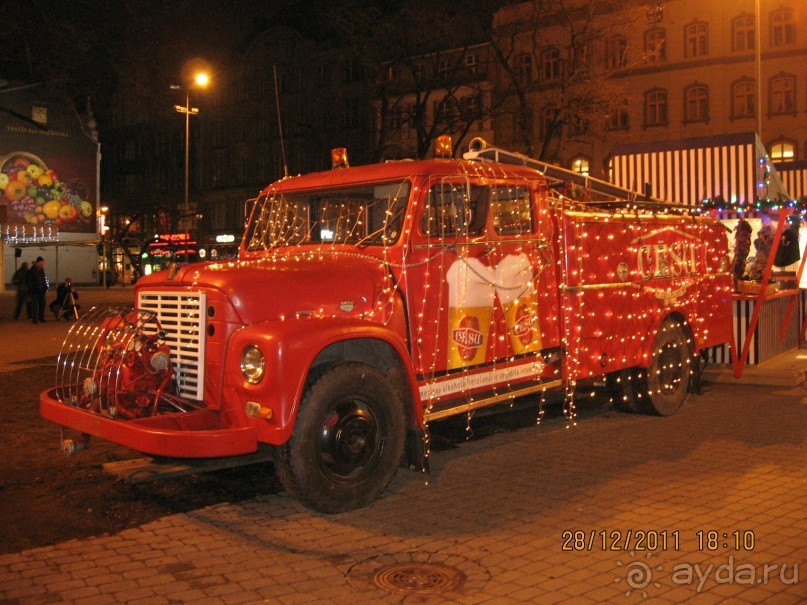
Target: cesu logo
[(523, 326), (664, 259), (468, 337)]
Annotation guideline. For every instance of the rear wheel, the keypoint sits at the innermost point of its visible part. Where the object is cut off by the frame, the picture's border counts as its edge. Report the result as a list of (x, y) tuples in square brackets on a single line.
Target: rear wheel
[(664, 387), (620, 386), (347, 441)]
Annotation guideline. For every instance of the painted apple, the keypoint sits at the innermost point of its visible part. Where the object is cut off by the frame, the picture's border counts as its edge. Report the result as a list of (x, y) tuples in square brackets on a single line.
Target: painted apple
[(3, 180), (16, 191), (45, 180), (68, 212), (51, 209), (85, 208), (34, 171), (24, 177), (52, 174)]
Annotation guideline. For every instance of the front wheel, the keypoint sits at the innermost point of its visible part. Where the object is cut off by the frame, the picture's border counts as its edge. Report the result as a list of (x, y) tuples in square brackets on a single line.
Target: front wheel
[(664, 387), (347, 441)]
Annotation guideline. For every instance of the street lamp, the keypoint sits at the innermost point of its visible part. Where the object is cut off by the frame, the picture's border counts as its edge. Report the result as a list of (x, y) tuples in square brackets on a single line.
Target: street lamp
[(200, 80)]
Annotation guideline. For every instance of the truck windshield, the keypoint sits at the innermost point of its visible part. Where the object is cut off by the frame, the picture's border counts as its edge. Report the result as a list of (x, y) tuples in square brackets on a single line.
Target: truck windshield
[(360, 215)]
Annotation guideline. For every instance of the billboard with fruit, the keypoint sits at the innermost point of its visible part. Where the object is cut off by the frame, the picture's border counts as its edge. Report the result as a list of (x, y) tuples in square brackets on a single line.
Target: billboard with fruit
[(48, 160), (48, 191)]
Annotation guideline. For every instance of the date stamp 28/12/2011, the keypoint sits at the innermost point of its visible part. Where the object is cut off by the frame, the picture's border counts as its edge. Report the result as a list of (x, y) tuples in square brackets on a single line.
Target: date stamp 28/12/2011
[(651, 540)]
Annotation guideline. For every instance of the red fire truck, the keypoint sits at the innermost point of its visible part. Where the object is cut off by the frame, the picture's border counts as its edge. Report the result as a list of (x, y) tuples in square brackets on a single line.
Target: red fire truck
[(367, 302)]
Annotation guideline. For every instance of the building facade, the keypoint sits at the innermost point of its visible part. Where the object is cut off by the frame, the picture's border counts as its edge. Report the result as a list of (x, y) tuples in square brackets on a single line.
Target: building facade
[(665, 70)]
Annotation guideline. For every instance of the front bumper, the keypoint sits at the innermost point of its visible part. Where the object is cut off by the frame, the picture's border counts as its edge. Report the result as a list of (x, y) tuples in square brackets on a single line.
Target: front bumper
[(195, 434)]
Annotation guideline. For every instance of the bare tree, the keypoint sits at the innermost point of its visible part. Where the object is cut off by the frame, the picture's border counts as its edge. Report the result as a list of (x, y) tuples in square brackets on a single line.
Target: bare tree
[(556, 59), (428, 70)]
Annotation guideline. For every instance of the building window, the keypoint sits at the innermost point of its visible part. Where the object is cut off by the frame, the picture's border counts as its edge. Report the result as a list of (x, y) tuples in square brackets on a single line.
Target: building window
[(551, 64), (655, 45), (655, 107), (352, 70), (696, 103), (394, 73), (444, 66), (549, 118), (743, 99), (616, 52), (608, 168), (523, 67), (582, 54), (742, 33), (783, 95), (782, 151), (581, 165), (471, 108), (696, 39), (783, 29), (394, 119), (578, 126), (351, 116), (472, 63), (618, 118)]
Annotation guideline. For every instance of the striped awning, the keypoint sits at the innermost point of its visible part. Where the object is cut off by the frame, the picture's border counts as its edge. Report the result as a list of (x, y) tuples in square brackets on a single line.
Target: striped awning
[(688, 171)]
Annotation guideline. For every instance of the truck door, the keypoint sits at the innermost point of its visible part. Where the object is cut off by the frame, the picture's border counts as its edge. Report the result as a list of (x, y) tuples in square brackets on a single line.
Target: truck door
[(480, 279)]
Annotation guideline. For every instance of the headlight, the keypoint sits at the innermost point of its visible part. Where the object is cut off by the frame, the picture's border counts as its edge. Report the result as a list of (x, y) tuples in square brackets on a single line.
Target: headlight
[(252, 364)]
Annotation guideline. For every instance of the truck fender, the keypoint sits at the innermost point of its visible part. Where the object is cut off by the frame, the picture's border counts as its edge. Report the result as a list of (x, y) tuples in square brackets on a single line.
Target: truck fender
[(292, 348)]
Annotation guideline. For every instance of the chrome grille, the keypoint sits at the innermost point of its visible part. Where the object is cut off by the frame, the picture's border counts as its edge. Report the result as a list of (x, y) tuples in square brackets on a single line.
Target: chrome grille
[(182, 317)]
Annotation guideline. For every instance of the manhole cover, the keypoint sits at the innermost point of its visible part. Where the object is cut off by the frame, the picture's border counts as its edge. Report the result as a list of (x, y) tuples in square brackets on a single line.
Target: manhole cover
[(418, 578)]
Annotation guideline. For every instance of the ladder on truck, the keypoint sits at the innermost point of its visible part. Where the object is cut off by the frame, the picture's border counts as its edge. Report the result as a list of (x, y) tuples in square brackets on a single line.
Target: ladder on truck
[(479, 150)]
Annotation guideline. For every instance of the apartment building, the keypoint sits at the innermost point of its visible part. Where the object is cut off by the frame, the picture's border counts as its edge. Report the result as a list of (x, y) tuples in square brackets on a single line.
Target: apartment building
[(665, 70)]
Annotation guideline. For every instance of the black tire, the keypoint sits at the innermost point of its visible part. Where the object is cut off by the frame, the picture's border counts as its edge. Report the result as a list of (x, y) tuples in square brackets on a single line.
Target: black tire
[(664, 386), (348, 440)]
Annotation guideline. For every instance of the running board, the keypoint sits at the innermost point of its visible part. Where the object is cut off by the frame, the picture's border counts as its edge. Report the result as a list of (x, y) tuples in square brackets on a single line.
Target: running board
[(470, 406), (144, 470)]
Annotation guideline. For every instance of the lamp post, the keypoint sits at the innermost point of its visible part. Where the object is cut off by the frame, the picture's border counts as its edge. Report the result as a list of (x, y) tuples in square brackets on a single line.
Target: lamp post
[(103, 228), (200, 80)]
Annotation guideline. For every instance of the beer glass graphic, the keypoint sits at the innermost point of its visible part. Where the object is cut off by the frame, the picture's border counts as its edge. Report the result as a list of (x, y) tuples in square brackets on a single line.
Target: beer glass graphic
[(470, 305), (516, 291)]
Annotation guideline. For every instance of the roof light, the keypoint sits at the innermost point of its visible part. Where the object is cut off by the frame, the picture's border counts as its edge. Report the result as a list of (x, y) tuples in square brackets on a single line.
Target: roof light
[(339, 158), (443, 146)]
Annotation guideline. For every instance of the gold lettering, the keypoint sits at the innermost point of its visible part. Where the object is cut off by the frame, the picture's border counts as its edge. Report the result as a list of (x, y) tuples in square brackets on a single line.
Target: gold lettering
[(662, 267), (677, 258), (643, 260)]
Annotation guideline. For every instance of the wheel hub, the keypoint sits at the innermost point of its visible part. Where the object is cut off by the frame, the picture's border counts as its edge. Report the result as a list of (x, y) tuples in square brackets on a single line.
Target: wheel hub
[(349, 439)]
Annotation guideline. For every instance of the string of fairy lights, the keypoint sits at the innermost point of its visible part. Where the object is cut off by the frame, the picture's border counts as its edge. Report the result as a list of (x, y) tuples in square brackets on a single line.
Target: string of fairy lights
[(478, 305), (767, 181)]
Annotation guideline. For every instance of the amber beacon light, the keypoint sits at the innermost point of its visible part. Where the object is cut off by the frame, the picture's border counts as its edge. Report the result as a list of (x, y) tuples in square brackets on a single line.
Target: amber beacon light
[(339, 158), (443, 147)]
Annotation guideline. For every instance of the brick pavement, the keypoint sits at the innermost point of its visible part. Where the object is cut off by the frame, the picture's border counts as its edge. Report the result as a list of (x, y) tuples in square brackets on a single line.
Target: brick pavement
[(22, 341), (496, 510)]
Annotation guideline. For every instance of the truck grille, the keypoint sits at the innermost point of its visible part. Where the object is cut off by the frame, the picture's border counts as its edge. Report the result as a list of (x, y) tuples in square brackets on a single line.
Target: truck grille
[(182, 317)]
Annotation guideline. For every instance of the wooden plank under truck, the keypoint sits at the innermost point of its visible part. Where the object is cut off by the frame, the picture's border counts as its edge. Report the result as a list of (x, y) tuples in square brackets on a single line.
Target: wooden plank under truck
[(367, 302)]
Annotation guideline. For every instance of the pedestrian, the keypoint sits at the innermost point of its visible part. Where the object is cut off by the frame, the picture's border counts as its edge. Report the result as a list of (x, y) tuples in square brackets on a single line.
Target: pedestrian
[(19, 280), (37, 287), (65, 302)]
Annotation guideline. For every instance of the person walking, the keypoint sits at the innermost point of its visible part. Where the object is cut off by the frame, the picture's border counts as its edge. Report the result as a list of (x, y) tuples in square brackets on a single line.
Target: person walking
[(37, 287), (19, 280)]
